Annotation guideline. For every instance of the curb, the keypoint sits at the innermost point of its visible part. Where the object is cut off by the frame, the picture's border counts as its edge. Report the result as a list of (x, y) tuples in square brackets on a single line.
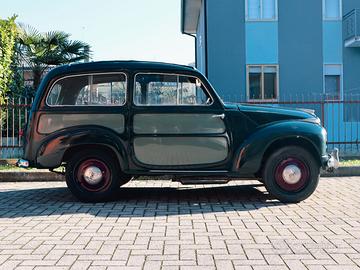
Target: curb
[(8, 176), (44, 176), (343, 172)]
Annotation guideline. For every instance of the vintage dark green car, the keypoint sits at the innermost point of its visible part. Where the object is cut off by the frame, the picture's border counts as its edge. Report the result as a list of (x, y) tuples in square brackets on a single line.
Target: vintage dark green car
[(108, 122)]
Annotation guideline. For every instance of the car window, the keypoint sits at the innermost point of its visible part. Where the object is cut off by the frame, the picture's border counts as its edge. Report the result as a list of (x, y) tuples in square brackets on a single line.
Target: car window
[(168, 90), (89, 90)]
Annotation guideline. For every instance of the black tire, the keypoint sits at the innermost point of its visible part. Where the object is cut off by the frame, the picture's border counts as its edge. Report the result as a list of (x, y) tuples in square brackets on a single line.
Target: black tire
[(283, 188), (110, 176)]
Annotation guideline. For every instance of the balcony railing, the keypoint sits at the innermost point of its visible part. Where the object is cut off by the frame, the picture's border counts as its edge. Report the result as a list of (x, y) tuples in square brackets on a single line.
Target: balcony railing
[(351, 28)]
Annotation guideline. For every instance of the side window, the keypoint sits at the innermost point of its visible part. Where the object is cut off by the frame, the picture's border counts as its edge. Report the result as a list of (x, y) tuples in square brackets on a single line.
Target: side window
[(261, 10), (332, 82), (89, 90), (163, 89), (262, 82), (332, 9)]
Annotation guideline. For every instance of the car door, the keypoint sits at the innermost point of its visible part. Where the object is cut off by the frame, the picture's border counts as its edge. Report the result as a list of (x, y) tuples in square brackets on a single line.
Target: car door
[(176, 124)]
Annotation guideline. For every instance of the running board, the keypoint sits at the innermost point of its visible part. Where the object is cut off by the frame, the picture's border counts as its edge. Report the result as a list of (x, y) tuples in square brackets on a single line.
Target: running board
[(201, 180), (188, 172)]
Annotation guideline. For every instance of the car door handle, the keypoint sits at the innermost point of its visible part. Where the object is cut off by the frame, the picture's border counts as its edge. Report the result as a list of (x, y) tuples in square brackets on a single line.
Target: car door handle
[(221, 116)]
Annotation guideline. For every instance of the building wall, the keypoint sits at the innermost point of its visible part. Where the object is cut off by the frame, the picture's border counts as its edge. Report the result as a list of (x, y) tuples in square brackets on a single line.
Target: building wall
[(226, 50), (300, 47), (332, 42), (351, 58), (261, 42), (301, 42)]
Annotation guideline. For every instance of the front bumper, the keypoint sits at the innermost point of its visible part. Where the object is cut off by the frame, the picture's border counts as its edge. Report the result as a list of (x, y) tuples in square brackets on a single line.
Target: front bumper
[(332, 162)]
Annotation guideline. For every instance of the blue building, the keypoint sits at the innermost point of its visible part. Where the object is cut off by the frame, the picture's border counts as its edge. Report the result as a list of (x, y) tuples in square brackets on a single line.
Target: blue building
[(272, 50), (284, 51)]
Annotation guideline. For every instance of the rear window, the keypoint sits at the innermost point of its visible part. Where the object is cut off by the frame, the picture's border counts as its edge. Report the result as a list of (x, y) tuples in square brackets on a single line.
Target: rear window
[(89, 90)]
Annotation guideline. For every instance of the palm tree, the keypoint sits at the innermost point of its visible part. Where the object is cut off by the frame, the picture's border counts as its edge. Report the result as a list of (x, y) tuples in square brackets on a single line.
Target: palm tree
[(39, 51)]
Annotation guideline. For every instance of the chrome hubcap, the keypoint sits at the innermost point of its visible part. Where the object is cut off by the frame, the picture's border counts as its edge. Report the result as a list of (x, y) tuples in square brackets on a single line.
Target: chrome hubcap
[(291, 174), (93, 175)]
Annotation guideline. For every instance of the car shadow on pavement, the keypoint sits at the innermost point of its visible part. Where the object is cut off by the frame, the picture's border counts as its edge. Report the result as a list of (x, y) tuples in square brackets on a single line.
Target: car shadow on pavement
[(136, 201)]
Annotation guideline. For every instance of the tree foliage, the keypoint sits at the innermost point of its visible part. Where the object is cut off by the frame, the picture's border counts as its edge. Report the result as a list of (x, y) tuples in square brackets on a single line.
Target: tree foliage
[(41, 50), (8, 35)]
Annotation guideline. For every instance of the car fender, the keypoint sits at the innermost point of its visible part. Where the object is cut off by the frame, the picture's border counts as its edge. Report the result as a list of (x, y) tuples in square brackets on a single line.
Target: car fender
[(249, 155), (52, 149)]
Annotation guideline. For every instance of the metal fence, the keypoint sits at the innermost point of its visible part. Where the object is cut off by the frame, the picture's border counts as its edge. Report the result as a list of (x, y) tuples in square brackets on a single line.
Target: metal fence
[(340, 118), (13, 116)]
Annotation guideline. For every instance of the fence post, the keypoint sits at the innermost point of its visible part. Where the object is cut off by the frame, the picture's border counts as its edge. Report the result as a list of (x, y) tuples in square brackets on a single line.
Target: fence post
[(322, 102)]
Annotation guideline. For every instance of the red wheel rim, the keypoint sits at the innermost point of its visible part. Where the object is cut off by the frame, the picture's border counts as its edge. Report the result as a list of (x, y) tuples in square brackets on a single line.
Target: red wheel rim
[(298, 181), (103, 184)]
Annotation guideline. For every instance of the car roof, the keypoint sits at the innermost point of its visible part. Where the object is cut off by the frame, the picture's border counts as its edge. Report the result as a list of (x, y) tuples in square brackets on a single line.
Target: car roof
[(109, 65)]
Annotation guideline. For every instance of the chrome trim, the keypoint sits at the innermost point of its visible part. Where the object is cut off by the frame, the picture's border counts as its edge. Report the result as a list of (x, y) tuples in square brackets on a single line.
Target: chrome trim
[(314, 120), (291, 174), (88, 74), (333, 162), (307, 110), (93, 175), (169, 105), (221, 116)]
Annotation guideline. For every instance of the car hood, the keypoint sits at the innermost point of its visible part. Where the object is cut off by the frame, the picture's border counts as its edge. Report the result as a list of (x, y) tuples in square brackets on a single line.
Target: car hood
[(263, 114)]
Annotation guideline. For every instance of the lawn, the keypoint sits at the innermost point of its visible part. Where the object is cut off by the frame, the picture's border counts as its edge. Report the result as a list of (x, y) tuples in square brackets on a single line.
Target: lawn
[(350, 162)]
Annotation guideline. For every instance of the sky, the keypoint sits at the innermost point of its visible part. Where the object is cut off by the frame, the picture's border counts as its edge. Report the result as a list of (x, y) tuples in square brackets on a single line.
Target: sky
[(115, 29)]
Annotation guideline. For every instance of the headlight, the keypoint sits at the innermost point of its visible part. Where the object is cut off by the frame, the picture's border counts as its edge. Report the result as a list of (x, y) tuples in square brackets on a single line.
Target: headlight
[(314, 120)]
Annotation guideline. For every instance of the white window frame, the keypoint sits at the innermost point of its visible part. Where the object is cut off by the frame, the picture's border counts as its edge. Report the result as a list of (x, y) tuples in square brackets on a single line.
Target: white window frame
[(262, 66), (341, 79), (261, 19), (332, 19)]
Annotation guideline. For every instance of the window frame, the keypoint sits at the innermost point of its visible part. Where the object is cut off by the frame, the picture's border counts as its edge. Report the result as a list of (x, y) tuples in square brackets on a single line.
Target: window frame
[(332, 19), (261, 18), (262, 66), (325, 73), (92, 105), (170, 105)]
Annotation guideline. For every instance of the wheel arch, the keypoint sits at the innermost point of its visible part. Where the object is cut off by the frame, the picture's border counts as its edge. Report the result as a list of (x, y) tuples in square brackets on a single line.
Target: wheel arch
[(58, 147), (95, 147), (289, 141)]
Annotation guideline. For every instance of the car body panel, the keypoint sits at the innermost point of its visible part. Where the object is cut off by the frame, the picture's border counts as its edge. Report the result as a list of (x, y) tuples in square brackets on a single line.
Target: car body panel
[(53, 148), (180, 151), (254, 146), (264, 114), (176, 123), (49, 123)]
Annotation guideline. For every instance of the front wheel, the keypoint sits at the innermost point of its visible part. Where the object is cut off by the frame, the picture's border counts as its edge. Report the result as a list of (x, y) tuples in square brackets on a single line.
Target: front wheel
[(93, 176), (291, 174)]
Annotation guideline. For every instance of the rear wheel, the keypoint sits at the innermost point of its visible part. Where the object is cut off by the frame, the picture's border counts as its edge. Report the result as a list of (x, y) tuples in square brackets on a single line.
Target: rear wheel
[(93, 176), (291, 174)]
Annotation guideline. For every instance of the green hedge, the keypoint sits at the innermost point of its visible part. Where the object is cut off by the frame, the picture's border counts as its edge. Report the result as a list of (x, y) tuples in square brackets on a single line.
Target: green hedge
[(8, 34)]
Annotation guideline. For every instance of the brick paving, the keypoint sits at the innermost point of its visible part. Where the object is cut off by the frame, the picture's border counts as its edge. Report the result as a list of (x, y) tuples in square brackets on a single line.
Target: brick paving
[(163, 225)]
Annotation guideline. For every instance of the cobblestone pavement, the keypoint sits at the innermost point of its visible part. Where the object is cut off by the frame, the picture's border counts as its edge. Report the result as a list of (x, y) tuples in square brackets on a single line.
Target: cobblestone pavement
[(163, 225)]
